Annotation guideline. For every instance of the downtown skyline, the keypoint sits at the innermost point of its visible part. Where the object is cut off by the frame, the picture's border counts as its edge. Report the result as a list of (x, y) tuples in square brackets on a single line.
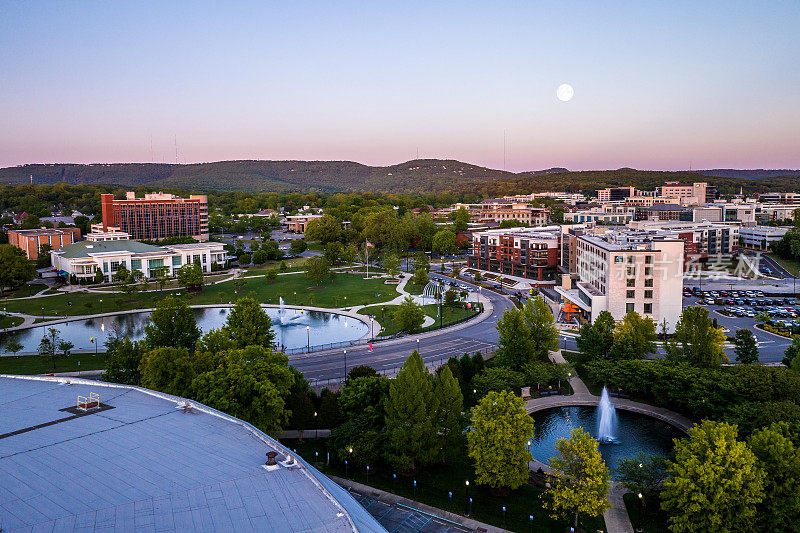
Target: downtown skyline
[(656, 87)]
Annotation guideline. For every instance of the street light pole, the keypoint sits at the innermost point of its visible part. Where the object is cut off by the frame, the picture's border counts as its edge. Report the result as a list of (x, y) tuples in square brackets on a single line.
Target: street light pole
[(345, 365), (308, 342)]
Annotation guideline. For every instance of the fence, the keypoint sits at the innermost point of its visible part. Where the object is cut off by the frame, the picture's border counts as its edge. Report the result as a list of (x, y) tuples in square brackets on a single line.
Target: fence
[(432, 365)]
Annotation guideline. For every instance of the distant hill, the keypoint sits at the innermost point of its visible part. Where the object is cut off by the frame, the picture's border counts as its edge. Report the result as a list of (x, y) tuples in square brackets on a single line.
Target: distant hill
[(756, 174), (418, 176)]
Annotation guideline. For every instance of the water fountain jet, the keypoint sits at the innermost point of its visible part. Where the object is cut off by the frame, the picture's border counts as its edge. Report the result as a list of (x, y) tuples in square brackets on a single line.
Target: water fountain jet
[(607, 427)]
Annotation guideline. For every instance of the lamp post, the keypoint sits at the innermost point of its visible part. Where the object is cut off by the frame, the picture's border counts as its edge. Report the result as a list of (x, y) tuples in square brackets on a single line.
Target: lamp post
[(417, 345), (295, 297), (345, 365), (316, 427), (101, 306), (308, 342), (469, 500), (371, 328)]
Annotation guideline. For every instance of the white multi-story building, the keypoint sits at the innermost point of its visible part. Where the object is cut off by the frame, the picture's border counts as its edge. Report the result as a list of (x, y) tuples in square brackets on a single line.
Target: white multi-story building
[(85, 258), (606, 214), (644, 277)]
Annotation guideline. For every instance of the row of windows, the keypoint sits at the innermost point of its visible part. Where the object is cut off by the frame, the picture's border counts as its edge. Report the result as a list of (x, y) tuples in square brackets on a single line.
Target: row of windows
[(632, 294), (631, 307)]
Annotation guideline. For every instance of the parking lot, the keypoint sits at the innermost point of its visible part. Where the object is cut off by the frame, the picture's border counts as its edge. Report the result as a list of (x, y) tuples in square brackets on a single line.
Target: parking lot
[(743, 312)]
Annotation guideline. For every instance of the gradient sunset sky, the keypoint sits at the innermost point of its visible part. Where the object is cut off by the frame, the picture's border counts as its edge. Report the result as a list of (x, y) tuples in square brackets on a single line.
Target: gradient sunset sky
[(658, 85)]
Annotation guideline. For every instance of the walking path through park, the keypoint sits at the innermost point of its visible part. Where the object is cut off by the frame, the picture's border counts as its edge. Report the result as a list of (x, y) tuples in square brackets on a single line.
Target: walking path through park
[(616, 516)]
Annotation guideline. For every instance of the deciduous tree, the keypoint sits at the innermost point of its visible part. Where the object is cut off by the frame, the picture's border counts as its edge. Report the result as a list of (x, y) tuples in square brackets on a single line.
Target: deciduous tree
[(595, 340), (697, 341), (779, 458), (317, 270), (15, 269), (715, 482), (634, 337), (167, 370), (249, 325), (409, 315), (172, 323), (582, 478), (498, 441)]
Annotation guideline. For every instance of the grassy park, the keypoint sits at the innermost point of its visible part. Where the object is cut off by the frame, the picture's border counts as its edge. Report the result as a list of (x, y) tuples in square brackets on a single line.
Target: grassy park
[(8, 321), (36, 364), (384, 315), (345, 290)]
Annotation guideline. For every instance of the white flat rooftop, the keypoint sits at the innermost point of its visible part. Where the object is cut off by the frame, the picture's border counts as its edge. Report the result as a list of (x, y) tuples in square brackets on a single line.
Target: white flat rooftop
[(140, 463)]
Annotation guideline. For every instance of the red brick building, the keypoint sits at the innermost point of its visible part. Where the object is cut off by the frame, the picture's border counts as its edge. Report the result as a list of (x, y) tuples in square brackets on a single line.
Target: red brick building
[(157, 216), (531, 253), (31, 241)]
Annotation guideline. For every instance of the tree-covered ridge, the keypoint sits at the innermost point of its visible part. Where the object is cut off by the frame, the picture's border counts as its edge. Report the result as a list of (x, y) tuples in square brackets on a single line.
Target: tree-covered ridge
[(417, 176)]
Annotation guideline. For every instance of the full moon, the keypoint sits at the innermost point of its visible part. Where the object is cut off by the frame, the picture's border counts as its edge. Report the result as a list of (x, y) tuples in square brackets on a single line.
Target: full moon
[(565, 92)]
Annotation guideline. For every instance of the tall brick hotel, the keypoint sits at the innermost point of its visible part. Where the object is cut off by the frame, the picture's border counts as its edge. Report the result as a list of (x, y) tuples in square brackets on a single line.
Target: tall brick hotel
[(157, 216)]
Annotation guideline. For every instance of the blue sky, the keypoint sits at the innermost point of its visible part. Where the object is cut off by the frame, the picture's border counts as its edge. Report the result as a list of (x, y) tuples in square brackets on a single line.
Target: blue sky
[(658, 85)]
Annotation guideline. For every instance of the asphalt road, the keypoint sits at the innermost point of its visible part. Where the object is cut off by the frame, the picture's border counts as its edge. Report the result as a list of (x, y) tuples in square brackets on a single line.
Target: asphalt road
[(330, 364)]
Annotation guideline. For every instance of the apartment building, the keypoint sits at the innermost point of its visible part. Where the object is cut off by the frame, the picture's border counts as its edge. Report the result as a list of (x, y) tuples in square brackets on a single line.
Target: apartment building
[(157, 216), (525, 252), (606, 214), (702, 239), (85, 258), (644, 277), (614, 194), (31, 241), (500, 210)]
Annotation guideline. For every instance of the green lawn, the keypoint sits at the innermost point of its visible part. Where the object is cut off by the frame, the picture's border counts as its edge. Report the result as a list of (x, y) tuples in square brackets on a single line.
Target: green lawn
[(296, 264), (435, 482), (793, 267), (384, 313), (8, 321), (648, 519), (35, 364), (294, 289)]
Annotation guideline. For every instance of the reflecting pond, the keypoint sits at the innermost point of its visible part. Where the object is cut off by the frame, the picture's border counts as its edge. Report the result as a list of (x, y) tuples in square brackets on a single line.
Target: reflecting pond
[(634, 433), (290, 328)]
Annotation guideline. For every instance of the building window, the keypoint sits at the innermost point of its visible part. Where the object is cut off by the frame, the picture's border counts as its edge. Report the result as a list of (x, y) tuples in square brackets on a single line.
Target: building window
[(176, 260), (648, 260), (630, 294), (648, 294), (136, 264), (648, 282), (631, 271), (648, 271), (631, 282), (648, 309), (629, 308), (114, 266)]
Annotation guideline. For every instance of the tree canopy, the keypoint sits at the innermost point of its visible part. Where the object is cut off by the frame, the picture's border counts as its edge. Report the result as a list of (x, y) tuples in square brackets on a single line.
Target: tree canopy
[(172, 323), (498, 441), (249, 325)]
